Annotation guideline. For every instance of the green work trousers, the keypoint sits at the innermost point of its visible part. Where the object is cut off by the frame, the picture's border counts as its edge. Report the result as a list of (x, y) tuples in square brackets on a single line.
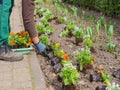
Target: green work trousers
[(5, 11)]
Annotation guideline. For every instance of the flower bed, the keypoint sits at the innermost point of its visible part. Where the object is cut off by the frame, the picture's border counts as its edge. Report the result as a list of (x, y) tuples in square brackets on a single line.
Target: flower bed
[(96, 55)]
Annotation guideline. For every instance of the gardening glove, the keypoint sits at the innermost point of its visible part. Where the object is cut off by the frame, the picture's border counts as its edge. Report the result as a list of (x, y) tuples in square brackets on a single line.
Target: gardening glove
[(40, 47), (44, 50)]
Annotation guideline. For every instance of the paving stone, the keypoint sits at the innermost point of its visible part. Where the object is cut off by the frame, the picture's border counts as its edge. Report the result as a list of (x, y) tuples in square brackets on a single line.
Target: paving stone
[(23, 85), (21, 65), (6, 76), (5, 84), (5, 68), (21, 77)]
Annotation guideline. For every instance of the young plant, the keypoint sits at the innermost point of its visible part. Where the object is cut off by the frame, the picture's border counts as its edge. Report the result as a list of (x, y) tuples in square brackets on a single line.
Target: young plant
[(105, 77), (56, 49), (111, 47), (90, 32), (110, 32), (44, 21), (61, 19), (86, 17), (84, 57), (70, 26), (83, 14), (40, 27), (114, 86), (87, 41), (98, 28), (102, 21), (45, 39), (48, 30), (69, 73), (64, 33), (48, 15), (78, 33), (42, 11), (75, 11)]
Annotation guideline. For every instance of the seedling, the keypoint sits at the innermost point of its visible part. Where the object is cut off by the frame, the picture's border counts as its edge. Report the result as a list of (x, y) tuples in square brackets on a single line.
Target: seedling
[(48, 30), (61, 19), (105, 77), (110, 32), (69, 74), (45, 39), (44, 21), (84, 57), (102, 21), (90, 32), (114, 86), (78, 33), (64, 33), (87, 41), (40, 27), (75, 11), (111, 47)]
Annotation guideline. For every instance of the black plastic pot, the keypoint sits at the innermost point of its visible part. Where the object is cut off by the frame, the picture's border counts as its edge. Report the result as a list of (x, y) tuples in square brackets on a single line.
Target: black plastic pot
[(50, 55), (55, 61), (57, 68), (59, 78), (101, 87), (95, 77), (116, 74)]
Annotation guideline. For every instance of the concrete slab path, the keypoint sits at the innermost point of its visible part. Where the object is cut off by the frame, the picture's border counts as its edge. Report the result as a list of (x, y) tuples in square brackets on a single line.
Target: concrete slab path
[(25, 74)]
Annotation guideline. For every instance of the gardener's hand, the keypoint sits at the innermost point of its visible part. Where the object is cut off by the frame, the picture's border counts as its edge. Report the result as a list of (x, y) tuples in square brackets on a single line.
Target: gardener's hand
[(42, 49)]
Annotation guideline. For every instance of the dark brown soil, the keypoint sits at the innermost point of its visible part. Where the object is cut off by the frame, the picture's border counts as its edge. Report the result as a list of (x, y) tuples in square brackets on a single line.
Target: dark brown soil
[(102, 57)]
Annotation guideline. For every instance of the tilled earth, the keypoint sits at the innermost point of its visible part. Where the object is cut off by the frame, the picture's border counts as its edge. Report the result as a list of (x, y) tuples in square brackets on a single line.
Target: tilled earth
[(102, 57)]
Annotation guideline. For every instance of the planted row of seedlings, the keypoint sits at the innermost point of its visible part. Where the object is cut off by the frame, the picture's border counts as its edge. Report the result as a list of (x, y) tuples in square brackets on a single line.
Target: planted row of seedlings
[(62, 65)]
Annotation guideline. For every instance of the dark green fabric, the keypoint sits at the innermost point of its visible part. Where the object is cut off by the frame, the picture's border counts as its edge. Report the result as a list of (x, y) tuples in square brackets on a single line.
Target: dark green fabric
[(5, 11)]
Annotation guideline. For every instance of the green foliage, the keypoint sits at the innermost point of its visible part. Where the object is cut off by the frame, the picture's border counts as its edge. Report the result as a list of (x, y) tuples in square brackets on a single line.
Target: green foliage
[(61, 19), (64, 33), (111, 47), (69, 74), (90, 31), (48, 15), (109, 7), (87, 17), (70, 25), (110, 32), (44, 39), (87, 41), (44, 21), (83, 57), (78, 33), (102, 22), (42, 11), (48, 30), (38, 1), (74, 10), (113, 87), (40, 27), (106, 77), (20, 39)]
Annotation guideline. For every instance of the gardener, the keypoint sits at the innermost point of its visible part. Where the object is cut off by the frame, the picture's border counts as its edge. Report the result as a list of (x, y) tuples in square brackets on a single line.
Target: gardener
[(28, 20), (6, 53)]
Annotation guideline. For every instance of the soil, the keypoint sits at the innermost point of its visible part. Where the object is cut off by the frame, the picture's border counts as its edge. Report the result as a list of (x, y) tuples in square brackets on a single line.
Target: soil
[(102, 57)]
